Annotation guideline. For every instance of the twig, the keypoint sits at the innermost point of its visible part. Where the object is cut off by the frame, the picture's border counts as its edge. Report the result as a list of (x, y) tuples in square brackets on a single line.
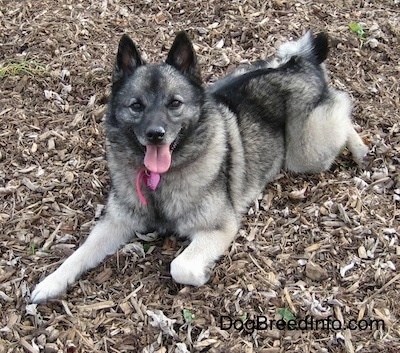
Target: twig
[(394, 279)]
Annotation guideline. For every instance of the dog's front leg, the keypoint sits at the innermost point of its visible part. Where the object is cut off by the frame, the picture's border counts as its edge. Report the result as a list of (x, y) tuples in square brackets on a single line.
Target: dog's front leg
[(194, 264), (106, 237)]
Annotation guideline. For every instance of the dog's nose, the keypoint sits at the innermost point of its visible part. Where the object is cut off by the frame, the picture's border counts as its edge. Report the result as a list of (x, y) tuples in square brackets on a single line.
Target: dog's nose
[(155, 134)]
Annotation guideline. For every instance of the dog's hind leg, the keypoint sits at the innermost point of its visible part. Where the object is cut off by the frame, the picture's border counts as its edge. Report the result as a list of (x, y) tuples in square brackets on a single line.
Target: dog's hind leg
[(105, 239), (194, 264), (356, 146)]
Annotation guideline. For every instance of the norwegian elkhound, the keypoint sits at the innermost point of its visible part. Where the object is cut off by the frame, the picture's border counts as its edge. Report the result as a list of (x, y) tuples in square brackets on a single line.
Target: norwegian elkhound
[(188, 160)]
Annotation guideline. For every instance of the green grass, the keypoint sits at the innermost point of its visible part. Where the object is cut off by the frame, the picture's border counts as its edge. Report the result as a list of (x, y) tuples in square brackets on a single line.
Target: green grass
[(32, 248), (358, 30), (286, 314), (188, 316), (24, 67), (146, 247)]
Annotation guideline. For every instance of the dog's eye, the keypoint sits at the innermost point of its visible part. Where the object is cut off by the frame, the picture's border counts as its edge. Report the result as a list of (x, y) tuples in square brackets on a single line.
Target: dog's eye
[(137, 106), (175, 104)]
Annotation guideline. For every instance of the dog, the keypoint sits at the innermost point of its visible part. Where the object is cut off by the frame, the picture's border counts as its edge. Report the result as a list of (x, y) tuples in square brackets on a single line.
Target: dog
[(313, 138), (187, 159)]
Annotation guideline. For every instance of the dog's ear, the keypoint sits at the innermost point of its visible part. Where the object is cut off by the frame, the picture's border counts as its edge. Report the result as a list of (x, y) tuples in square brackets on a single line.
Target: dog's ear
[(321, 47), (183, 57), (128, 59)]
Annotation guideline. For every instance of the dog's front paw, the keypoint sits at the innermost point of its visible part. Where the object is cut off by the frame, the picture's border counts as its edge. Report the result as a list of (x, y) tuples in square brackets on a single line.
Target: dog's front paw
[(51, 287), (189, 271)]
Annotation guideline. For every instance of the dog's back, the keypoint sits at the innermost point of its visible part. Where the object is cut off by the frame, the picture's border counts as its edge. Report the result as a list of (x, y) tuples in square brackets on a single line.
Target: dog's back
[(293, 90), (267, 97)]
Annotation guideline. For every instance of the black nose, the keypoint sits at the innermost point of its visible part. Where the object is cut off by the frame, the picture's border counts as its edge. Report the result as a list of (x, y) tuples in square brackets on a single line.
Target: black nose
[(155, 134)]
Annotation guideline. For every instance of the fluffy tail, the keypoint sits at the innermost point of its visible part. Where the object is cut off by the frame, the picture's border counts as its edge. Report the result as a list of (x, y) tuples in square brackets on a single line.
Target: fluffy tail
[(312, 47)]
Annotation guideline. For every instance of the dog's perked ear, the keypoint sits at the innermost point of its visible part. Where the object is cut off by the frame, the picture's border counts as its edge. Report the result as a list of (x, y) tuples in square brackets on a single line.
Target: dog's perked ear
[(183, 57), (321, 47), (128, 58)]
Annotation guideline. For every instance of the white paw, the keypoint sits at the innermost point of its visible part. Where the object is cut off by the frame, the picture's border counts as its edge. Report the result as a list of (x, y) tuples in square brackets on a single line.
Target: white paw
[(189, 271), (360, 152), (51, 287), (357, 146)]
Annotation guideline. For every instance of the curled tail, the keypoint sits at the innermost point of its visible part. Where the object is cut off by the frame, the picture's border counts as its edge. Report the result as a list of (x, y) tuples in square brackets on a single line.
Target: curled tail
[(313, 48)]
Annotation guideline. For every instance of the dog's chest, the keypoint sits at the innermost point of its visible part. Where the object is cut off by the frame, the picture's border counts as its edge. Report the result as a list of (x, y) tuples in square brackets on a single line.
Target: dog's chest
[(167, 212)]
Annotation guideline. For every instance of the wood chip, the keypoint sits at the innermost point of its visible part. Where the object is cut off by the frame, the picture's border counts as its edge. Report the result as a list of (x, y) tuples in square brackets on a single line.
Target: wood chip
[(97, 306), (316, 272)]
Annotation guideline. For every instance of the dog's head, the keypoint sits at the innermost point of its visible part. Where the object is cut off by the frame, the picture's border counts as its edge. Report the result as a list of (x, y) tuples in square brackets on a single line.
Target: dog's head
[(154, 104)]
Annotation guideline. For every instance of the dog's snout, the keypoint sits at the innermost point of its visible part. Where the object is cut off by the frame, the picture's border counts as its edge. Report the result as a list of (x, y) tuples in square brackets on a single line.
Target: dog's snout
[(155, 134)]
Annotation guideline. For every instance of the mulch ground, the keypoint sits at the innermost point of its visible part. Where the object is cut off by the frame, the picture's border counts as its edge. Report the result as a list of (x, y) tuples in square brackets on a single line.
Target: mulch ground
[(312, 246)]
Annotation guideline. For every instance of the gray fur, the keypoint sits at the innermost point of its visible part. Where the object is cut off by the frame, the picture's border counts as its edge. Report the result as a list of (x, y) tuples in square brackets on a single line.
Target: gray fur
[(227, 143), (318, 120)]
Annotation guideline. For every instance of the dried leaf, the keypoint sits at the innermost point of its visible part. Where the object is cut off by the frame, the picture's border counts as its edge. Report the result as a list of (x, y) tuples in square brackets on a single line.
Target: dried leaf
[(158, 319)]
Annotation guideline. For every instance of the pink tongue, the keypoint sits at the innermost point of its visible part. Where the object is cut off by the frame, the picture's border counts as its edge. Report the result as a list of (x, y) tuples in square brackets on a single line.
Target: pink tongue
[(157, 158)]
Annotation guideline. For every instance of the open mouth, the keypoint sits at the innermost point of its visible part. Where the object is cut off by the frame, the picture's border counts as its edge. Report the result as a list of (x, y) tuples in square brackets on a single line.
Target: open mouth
[(157, 158)]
